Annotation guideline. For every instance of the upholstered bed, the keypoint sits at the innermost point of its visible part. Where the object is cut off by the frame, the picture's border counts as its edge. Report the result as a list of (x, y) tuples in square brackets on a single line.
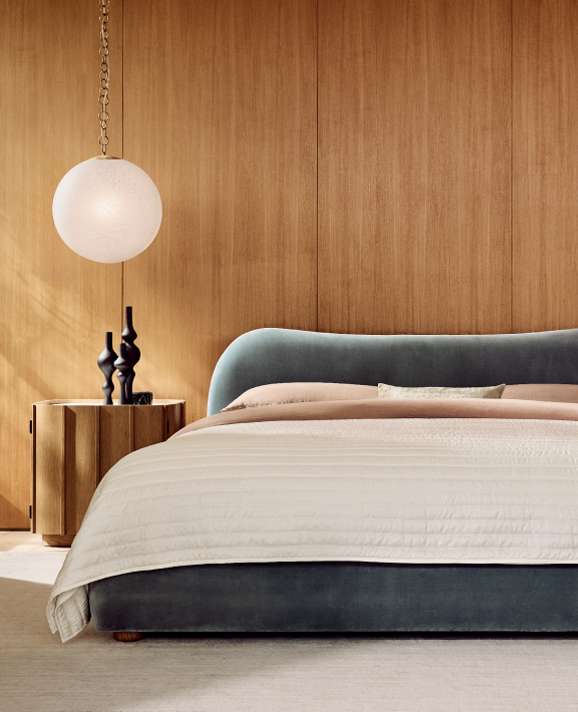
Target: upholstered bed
[(314, 537)]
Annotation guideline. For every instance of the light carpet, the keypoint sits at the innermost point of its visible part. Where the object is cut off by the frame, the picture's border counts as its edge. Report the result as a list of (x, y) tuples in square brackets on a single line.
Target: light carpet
[(93, 673)]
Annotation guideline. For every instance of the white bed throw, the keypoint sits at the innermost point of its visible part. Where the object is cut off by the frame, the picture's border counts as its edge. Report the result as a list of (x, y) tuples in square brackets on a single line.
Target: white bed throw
[(400, 490)]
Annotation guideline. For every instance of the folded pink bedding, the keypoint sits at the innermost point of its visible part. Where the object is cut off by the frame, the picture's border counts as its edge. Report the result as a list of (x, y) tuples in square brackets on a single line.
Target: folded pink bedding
[(372, 408), (302, 392)]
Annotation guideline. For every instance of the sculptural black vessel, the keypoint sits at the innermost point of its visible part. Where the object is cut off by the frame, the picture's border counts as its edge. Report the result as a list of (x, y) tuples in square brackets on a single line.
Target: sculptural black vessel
[(132, 351), (124, 369), (105, 361)]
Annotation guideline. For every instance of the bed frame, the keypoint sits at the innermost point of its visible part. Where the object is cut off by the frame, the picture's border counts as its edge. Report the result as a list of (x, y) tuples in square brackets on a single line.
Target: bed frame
[(338, 597)]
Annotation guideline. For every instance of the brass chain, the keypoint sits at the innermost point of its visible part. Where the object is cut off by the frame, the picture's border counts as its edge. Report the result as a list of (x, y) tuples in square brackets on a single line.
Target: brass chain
[(104, 76)]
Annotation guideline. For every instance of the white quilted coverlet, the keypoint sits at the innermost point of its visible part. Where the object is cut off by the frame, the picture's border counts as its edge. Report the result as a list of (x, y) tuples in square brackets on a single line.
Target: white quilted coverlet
[(401, 490)]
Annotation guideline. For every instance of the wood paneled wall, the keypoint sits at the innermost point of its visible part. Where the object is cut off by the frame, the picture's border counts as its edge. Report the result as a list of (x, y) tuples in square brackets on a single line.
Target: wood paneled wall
[(220, 107), (54, 306), (545, 165), (414, 166), (348, 165)]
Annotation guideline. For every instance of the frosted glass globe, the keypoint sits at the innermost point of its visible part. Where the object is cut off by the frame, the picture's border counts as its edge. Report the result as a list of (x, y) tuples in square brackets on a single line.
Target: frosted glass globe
[(107, 209)]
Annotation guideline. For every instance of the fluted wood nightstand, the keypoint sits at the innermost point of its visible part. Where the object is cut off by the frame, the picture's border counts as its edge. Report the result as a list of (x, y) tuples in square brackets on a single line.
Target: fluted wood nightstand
[(75, 443)]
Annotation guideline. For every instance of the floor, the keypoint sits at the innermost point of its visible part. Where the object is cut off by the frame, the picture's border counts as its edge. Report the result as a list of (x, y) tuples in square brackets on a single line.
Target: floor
[(93, 673)]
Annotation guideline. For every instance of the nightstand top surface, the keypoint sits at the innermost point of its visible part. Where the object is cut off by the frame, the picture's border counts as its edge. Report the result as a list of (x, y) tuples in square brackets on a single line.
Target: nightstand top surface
[(97, 402)]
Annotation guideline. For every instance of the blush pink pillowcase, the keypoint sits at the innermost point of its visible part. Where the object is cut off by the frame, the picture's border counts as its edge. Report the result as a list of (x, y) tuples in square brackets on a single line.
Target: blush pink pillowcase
[(279, 393), (553, 392)]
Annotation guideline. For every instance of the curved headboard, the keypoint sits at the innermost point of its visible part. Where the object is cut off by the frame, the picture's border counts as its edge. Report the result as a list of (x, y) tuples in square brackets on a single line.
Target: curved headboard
[(284, 355)]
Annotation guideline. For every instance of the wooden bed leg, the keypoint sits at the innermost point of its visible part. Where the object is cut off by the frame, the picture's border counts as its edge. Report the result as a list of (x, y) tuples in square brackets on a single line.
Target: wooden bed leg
[(127, 636)]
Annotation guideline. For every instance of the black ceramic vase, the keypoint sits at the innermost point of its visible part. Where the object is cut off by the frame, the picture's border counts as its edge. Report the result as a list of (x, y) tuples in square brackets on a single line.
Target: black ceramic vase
[(124, 368), (106, 362), (132, 351)]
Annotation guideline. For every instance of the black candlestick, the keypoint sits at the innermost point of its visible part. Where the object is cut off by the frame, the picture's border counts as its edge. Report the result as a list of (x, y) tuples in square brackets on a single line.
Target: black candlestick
[(123, 367), (132, 351), (105, 361)]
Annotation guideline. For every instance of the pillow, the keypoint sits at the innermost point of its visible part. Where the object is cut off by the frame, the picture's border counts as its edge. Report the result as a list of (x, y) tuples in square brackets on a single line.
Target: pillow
[(553, 392), (386, 391), (278, 393)]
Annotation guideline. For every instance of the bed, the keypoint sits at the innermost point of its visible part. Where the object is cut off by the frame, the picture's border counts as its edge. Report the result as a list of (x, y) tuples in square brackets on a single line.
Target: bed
[(507, 551)]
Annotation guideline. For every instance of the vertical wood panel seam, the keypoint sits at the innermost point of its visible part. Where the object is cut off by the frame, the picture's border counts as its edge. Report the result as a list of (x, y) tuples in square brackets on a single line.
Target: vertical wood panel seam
[(33, 488), (317, 32), (512, 251), (122, 78), (97, 473), (63, 471), (131, 435), (122, 37), (121, 297)]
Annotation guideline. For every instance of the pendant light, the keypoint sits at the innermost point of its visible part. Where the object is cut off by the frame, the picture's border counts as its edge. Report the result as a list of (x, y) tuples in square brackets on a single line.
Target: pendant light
[(106, 209)]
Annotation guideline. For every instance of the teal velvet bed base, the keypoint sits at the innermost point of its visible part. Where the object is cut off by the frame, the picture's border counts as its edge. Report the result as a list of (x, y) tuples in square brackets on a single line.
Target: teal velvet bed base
[(339, 597)]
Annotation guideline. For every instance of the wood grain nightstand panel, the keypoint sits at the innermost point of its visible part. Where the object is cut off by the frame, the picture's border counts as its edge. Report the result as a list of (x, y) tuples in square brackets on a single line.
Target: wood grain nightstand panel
[(174, 419), (50, 459), (75, 443), (115, 435), (148, 426), (81, 461)]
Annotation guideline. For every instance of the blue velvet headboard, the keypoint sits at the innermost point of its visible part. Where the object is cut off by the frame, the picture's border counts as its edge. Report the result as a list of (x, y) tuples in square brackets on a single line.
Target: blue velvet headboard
[(284, 355)]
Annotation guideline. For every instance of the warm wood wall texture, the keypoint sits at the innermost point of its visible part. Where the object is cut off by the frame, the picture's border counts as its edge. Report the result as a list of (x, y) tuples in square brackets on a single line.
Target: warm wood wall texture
[(54, 305), (347, 165)]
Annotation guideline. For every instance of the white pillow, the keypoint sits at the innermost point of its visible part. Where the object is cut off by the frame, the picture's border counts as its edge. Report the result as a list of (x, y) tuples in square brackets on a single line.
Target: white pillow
[(386, 391)]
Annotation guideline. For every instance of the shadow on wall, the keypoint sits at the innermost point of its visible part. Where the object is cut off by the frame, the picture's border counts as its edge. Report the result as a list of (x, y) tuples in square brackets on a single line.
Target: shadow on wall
[(52, 321)]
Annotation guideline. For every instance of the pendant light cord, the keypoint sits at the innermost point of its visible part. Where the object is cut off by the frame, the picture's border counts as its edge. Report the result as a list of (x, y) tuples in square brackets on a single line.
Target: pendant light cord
[(104, 77)]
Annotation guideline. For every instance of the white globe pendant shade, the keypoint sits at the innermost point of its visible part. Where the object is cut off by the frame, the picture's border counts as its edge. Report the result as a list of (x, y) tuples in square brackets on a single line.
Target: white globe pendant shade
[(107, 209)]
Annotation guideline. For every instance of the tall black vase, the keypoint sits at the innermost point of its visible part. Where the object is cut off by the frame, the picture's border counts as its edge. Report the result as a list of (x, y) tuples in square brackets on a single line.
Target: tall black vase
[(105, 362), (123, 367), (132, 351)]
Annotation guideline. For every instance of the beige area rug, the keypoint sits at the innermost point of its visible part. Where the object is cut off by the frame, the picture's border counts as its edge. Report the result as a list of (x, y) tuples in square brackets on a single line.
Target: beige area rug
[(93, 673)]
